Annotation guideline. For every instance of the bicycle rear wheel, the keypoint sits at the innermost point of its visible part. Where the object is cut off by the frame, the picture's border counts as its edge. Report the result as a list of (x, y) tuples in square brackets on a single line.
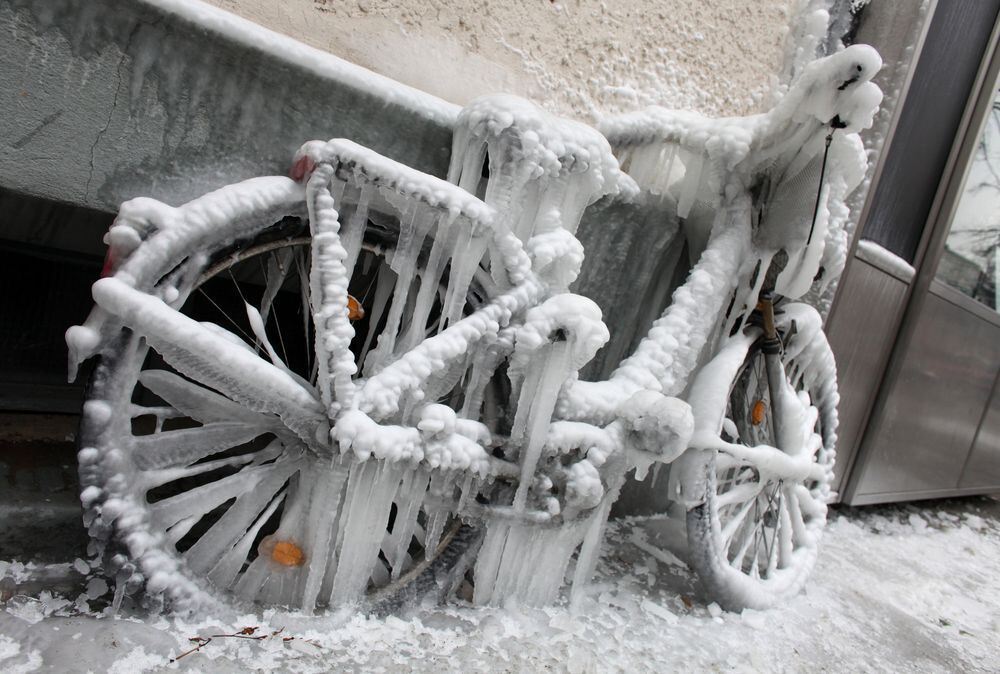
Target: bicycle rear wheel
[(212, 481)]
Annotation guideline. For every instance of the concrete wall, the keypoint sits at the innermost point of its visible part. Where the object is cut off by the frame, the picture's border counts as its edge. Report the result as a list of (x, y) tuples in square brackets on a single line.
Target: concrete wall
[(577, 57), (105, 100)]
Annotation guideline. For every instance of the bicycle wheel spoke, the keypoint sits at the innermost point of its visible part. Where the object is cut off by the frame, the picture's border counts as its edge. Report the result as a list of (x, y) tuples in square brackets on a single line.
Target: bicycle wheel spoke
[(798, 525), (786, 539), (209, 551), (385, 284), (225, 572), (740, 493), (157, 478), (187, 445), (734, 523), (747, 540), (275, 274), (200, 403), (200, 500), (305, 290), (281, 337), (200, 353), (772, 549), (225, 315)]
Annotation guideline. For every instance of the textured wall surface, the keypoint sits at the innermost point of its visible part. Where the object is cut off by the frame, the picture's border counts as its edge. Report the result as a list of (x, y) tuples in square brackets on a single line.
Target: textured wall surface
[(578, 57), (104, 101)]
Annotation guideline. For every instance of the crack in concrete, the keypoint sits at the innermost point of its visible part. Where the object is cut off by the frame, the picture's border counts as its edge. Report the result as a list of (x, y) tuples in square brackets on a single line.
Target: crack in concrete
[(111, 112)]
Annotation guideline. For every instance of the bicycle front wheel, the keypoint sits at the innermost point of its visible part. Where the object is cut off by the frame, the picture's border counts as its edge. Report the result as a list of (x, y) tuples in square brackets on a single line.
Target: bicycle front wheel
[(760, 513)]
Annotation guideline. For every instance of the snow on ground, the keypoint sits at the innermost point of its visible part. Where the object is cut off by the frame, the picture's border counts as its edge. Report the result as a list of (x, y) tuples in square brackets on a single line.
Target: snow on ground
[(897, 588)]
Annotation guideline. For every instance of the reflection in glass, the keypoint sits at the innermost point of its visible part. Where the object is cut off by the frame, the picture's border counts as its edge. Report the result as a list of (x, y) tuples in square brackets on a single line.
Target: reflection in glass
[(971, 259)]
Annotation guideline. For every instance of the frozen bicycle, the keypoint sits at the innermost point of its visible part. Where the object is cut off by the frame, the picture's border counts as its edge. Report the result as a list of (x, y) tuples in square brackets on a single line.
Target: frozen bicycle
[(361, 383)]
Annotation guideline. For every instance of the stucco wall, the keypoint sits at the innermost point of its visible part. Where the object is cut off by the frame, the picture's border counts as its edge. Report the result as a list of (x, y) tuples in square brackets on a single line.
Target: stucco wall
[(577, 57)]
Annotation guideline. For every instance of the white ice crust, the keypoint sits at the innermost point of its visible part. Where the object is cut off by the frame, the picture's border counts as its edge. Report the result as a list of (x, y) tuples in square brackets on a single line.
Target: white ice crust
[(385, 428), (871, 252), (322, 63)]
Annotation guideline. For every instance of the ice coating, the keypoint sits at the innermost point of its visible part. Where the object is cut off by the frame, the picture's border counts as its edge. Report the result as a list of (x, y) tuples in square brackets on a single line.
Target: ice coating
[(321, 62), (579, 321), (460, 409), (871, 252), (541, 173), (693, 159), (403, 179)]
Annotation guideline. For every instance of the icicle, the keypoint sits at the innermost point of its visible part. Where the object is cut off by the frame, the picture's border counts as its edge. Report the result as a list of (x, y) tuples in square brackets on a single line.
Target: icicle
[(318, 531), (662, 182), (534, 412), (435, 527), (438, 509), (488, 562), (354, 231), (485, 360), (281, 587), (530, 209), (624, 156), (250, 583), (414, 225), (442, 383), (472, 168), (408, 507), (469, 486), (305, 288), (590, 552), (121, 578), (464, 262), (543, 585), (508, 568), (277, 272), (430, 281), (574, 203), (257, 325), (371, 489), (383, 293), (690, 184)]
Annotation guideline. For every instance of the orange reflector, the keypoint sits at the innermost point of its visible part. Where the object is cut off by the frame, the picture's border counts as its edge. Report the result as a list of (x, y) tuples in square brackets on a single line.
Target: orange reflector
[(355, 311), (757, 413), (287, 553)]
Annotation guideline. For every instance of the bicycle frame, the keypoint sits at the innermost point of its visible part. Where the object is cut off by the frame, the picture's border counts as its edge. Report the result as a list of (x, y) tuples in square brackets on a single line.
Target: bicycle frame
[(735, 187)]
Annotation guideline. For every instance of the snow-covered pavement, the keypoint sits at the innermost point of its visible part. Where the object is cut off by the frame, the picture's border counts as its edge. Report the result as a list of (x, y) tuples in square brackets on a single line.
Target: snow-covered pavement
[(897, 588)]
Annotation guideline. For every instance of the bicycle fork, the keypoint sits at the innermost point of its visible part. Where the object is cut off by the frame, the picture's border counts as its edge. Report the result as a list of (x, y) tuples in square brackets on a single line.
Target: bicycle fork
[(773, 368)]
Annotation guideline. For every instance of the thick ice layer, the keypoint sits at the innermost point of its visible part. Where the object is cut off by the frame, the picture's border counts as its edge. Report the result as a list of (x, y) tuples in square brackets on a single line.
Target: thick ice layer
[(542, 173), (568, 317), (402, 179), (227, 214), (695, 160), (390, 446), (193, 350)]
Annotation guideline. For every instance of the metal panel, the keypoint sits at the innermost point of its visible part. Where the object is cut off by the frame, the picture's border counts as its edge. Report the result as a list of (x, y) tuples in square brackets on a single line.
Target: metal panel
[(945, 74), (983, 467), (939, 377), (934, 404), (868, 312)]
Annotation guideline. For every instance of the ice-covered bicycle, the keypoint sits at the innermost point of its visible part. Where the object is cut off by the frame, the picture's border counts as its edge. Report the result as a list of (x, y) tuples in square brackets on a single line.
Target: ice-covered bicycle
[(361, 382)]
